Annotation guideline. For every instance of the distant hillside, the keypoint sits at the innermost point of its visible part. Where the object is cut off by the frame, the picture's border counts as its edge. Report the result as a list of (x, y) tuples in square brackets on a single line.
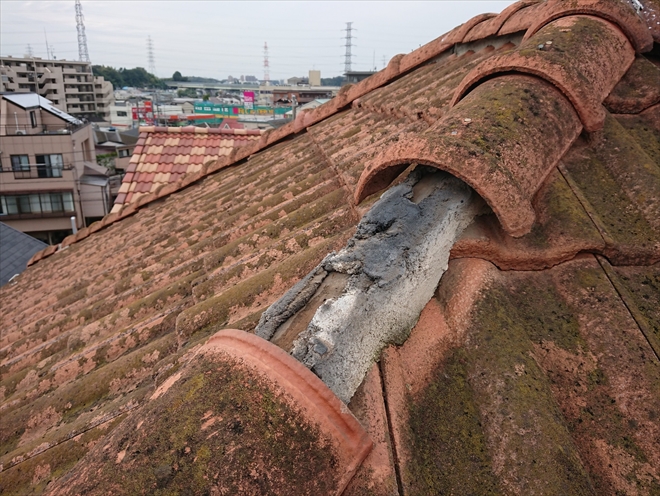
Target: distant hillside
[(196, 79), (177, 76), (135, 78)]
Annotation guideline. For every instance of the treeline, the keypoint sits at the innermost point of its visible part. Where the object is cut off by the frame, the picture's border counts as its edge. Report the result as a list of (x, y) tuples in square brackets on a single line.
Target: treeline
[(135, 78), (333, 81)]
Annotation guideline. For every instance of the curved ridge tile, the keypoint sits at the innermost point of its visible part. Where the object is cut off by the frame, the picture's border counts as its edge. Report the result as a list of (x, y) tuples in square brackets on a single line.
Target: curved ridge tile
[(503, 139), (493, 25), (615, 11), (240, 416), (584, 57), (521, 19), (487, 27), (306, 389)]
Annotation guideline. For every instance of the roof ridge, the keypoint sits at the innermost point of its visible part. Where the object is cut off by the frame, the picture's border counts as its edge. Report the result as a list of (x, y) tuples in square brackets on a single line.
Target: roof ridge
[(198, 130), (487, 25)]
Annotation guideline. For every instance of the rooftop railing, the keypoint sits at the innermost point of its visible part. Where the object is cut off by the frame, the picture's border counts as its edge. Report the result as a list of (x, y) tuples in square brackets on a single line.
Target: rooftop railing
[(43, 129)]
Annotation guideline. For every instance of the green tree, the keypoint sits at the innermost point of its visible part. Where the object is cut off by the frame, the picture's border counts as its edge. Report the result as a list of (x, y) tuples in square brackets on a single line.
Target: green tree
[(137, 77), (178, 77)]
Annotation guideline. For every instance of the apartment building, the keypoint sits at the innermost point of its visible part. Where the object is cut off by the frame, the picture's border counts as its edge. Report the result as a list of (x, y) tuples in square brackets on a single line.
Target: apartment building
[(69, 85), (48, 172)]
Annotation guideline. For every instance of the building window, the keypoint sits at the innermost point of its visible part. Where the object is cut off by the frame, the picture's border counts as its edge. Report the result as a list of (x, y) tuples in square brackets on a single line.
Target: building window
[(50, 165), (121, 113), (33, 118), (122, 153), (20, 163), (37, 203)]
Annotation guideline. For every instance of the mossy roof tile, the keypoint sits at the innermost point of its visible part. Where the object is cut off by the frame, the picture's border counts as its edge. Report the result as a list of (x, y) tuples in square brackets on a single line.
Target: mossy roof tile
[(96, 326)]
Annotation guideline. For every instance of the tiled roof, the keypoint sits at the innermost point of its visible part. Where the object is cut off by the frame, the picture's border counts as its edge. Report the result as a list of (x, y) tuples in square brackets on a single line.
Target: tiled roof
[(534, 368), (163, 155)]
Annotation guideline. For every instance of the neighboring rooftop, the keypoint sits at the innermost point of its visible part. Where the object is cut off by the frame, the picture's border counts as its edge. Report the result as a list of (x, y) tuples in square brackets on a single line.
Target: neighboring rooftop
[(533, 369), (32, 100), (164, 155), (16, 250)]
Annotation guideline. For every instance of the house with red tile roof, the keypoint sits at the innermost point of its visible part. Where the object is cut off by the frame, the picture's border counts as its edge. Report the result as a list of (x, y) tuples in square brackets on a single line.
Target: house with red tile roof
[(445, 280), (163, 155)]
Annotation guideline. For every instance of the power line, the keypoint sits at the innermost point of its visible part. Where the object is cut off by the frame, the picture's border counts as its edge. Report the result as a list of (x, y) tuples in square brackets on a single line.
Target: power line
[(83, 53), (150, 55)]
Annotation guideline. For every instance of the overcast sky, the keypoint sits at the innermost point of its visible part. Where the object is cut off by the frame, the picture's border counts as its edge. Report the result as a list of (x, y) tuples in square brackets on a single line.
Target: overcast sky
[(220, 38)]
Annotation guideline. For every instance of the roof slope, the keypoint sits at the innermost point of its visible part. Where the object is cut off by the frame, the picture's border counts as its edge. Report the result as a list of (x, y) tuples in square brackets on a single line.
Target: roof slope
[(554, 368), (163, 155), (31, 100), (16, 250)]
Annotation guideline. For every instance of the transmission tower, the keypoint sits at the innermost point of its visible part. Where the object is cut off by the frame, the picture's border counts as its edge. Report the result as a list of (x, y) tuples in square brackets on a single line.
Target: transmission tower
[(150, 54), (349, 38), (29, 50), (266, 64), (83, 53)]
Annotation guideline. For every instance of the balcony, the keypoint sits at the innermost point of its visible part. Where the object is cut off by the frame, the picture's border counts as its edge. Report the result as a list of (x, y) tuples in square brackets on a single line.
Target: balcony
[(50, 130), (38, 171)]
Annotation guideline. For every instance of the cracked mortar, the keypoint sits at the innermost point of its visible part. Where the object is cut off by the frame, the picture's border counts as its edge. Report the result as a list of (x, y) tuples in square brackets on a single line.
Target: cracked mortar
[(371, 293)]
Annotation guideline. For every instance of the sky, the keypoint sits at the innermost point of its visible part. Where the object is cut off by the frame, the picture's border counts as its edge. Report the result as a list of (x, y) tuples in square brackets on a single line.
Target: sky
[(221, 38)]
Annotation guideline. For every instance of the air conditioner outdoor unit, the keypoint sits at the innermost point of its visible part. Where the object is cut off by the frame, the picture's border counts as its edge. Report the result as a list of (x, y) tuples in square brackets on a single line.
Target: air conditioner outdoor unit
[(21, 132)]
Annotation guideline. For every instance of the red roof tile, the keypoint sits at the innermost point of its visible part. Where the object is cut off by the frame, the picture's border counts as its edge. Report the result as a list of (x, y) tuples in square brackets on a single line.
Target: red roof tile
[(522, 341)]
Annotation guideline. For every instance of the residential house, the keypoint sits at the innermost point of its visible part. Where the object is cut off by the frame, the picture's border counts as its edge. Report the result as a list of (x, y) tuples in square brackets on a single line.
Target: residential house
[(70, 85), (165, 155), (48, 171), (168, 348), (111, 141)]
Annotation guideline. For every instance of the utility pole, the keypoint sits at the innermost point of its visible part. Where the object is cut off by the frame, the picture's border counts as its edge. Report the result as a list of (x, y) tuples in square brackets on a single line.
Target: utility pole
[(266, 64), (348, 55), (83, 53)]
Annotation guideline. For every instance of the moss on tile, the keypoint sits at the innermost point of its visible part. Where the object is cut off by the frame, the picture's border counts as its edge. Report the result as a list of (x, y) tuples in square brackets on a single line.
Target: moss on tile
[(219, 425), (616, 214), (642, 288), (449, 454), (212, 314), (561, 217), (514, 394), (641, 128), (34, 475)]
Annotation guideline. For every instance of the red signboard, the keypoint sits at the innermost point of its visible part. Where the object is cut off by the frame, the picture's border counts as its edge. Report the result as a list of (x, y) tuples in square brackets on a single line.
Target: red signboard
[(144, 113)]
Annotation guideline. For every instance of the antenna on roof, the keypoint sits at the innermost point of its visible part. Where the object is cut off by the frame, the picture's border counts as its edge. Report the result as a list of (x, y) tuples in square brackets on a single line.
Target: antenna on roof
[(83, 53), (266, 64), (349, 37), (150, 55)]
